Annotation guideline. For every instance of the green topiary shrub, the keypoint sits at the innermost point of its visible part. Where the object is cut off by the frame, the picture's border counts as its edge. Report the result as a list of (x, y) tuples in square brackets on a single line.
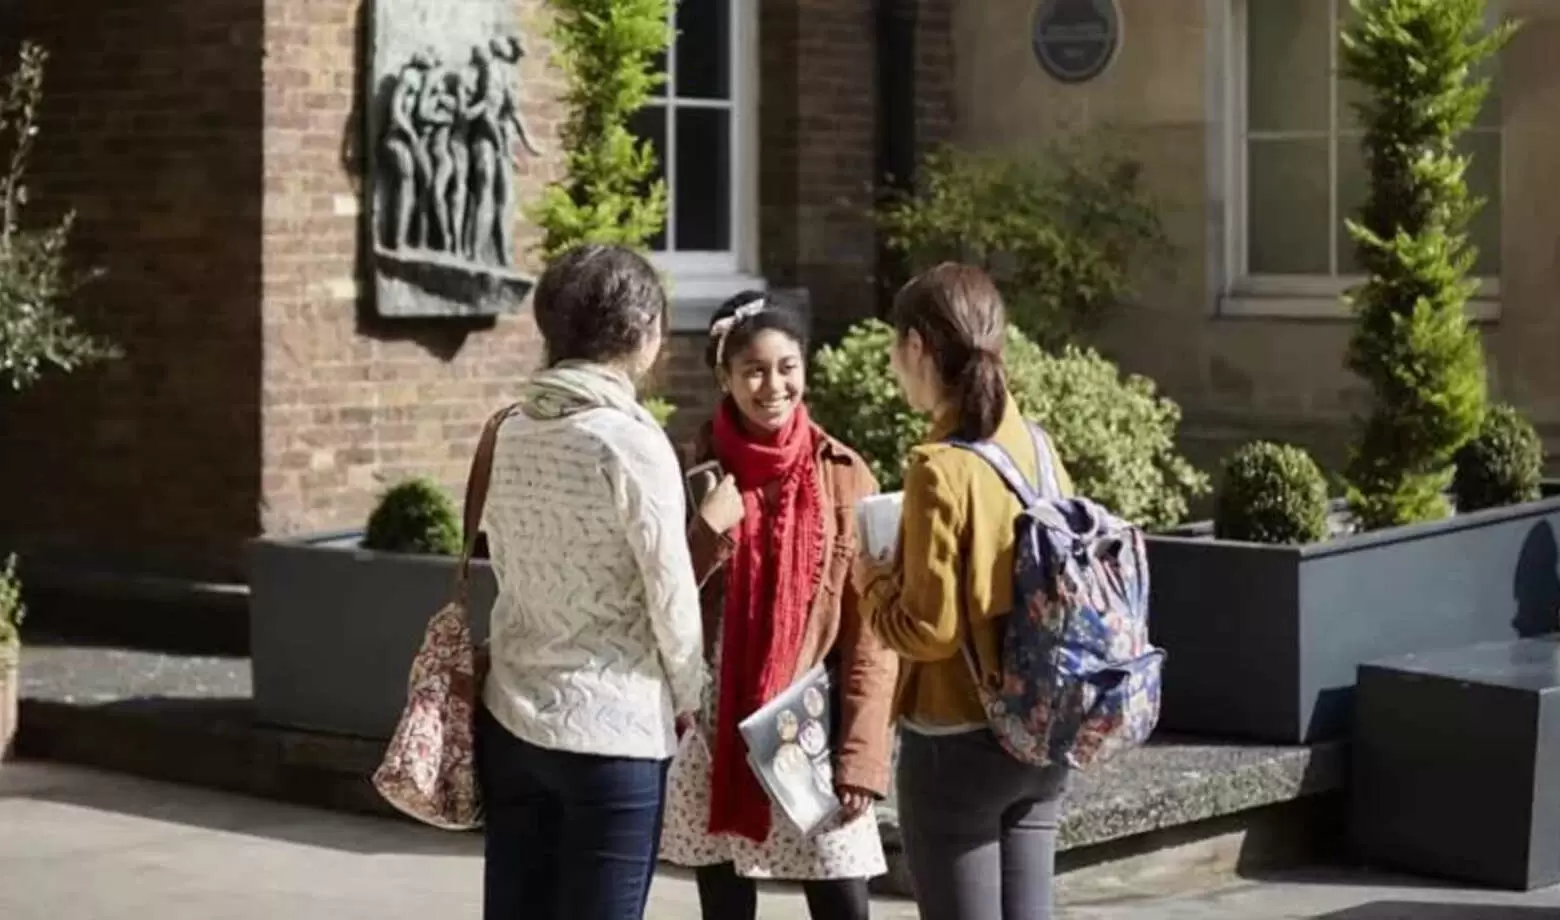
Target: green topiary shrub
[(1418, 64), (1272, 493), (1061, 231), (606, 53), (1114, 433), (1502, 465), (414, 516), (661, 409), (11, 609)]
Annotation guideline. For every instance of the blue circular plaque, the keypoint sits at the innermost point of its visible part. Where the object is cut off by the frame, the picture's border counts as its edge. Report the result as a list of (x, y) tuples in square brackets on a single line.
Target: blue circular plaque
[(1075, 40)]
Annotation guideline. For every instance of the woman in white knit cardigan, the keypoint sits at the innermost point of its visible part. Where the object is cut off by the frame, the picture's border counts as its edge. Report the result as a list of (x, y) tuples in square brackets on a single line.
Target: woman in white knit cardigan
[(596, 635)]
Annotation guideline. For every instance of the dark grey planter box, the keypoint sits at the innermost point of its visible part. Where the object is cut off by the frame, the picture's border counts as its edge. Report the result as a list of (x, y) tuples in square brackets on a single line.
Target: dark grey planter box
[(1457, 764), (333, 629), (1264, 641)]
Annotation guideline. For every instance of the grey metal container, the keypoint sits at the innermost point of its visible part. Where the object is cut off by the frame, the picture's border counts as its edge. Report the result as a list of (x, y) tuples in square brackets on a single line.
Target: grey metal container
[(1264, 641), (333, 628)]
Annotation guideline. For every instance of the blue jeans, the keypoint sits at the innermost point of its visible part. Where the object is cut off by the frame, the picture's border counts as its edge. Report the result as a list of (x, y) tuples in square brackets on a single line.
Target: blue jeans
[(569, 836)]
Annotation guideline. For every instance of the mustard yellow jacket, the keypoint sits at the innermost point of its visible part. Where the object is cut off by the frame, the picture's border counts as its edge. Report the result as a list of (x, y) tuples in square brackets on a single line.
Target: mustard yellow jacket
[(952, 577)]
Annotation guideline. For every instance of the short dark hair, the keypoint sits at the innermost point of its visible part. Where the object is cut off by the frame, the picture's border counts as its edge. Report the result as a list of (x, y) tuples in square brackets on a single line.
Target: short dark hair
[(773, 316), (958, 312), (597, 303)]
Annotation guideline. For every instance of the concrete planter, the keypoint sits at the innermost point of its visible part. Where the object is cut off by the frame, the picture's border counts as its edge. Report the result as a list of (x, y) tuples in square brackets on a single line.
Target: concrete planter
[(1264, 641), (10, 691), (333, 628)]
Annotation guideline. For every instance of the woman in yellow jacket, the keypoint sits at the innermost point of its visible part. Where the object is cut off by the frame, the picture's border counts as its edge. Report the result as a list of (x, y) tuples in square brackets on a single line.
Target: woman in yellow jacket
[(979, 826)]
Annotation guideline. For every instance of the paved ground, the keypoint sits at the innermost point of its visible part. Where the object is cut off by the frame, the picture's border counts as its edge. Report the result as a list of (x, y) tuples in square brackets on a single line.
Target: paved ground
[(79, 845)]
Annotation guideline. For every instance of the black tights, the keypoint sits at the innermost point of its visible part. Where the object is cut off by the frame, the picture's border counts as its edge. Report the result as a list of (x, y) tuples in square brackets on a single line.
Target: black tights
[(725, 895)]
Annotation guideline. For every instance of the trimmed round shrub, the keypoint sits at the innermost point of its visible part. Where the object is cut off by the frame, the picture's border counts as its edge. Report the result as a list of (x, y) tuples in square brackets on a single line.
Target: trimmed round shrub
[(1115, 434), (1272, 493), (1502, 465), (414, 516)]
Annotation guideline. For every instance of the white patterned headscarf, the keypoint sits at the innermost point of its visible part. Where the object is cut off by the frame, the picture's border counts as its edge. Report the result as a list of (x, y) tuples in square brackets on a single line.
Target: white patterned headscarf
[(722, 328)]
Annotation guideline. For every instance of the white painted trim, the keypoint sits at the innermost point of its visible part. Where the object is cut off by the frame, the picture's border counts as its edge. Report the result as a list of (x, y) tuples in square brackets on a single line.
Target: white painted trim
[(695, 298), (735, 268), (1299, 306)]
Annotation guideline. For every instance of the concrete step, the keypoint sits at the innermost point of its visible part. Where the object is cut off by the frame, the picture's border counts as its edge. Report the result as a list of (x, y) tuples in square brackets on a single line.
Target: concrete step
[(1178, 812)]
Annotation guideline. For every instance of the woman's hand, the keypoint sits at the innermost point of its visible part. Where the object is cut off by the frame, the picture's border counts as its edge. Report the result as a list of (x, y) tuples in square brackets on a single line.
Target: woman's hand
[(685, 724), (722, 507), (854, 801), (866, 570)]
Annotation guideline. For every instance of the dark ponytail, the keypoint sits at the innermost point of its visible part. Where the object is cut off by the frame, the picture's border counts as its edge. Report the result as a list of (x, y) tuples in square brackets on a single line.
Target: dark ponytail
[(959, 316), (982, 396)]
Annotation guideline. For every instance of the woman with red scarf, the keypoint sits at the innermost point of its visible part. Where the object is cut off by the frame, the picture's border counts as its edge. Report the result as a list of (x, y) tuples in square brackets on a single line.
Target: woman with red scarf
[(772, 546)]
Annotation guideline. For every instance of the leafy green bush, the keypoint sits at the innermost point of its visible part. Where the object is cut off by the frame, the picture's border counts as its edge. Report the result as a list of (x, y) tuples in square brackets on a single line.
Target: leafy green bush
[(1115, 434), (1418, 62), (605, 52), (37, 335), (11, 610), (661, 409), (1059, 232), (1272, 493), (1502, 465), (414, 516)]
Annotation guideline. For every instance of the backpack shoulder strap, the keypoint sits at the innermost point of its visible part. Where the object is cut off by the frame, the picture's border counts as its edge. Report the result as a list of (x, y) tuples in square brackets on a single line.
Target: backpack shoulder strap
[(1002, 461), (1045, 462)]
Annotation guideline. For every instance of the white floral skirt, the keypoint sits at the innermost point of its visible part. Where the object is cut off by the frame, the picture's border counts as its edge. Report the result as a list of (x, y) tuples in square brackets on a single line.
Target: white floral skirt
[(852, 850)]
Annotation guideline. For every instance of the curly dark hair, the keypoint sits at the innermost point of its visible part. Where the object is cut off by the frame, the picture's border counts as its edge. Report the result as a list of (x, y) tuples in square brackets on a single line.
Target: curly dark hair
[(781, 319), (597, 303)]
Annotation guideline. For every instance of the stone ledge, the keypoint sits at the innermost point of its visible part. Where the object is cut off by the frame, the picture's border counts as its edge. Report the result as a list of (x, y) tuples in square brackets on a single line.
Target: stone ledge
[(188, 720)]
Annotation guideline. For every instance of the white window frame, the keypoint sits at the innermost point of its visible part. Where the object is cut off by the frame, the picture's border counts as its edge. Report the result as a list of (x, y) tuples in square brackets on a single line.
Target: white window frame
[(699, 281), (1242, 294)]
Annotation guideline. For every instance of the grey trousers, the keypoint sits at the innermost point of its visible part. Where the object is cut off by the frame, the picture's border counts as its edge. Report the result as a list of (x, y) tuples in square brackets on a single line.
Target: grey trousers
[(979, 828)]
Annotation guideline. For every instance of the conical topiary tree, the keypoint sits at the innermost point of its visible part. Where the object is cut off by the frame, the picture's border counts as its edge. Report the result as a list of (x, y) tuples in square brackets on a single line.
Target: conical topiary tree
[(1417, 61)]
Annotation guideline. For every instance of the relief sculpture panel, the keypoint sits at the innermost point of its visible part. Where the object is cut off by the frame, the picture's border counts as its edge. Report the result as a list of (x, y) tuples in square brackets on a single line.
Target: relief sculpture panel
[(445, 129)]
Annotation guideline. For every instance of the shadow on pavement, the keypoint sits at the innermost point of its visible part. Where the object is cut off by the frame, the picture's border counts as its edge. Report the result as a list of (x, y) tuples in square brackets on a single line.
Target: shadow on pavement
[(228, 813), (1411, 910)]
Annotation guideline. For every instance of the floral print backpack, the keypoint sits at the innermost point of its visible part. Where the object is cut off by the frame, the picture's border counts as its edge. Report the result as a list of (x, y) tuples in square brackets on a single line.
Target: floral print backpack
[(1079, 679)]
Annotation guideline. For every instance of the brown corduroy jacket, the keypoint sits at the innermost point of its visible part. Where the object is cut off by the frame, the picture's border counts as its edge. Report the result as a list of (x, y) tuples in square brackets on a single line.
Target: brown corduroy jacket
[(865, 669)]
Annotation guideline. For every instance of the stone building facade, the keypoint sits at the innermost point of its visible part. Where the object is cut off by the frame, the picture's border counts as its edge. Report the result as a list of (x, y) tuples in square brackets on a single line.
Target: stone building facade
[(213, 152)]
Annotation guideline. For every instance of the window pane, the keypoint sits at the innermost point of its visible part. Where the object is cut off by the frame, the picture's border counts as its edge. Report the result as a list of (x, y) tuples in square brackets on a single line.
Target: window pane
[(649, 123), (1288, 210), (703, 199), (1353, 190), (1288, 61), (1484, 182), (703, 50)]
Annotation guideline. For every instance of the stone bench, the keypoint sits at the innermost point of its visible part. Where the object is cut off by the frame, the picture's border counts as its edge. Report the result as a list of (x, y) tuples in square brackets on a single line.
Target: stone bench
[(1457, 763)]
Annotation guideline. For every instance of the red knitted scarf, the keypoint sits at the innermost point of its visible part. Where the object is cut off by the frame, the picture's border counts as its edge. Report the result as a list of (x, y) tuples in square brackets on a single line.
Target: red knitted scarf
[(770, 582)]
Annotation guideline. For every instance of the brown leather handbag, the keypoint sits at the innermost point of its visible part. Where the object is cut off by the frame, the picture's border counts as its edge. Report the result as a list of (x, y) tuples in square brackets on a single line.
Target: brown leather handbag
[(429, 769)]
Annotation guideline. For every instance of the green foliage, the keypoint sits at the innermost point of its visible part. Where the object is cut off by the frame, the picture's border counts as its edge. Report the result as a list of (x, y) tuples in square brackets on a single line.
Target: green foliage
[(605, 50), (414, 516), (1114, 433), (662, 409), (11, 610), (37, 336), (1502, 465), (1272, 493), (1059, 232), (1413, 343)]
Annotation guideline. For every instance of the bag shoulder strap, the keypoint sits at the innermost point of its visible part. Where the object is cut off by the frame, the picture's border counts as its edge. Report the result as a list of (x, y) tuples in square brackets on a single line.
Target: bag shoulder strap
[(477, 481)]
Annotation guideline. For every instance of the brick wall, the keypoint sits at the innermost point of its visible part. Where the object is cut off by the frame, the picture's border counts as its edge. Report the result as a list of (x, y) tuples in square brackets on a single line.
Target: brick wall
[(212, 150), (817, 127), (351, 403), (150, 130)]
